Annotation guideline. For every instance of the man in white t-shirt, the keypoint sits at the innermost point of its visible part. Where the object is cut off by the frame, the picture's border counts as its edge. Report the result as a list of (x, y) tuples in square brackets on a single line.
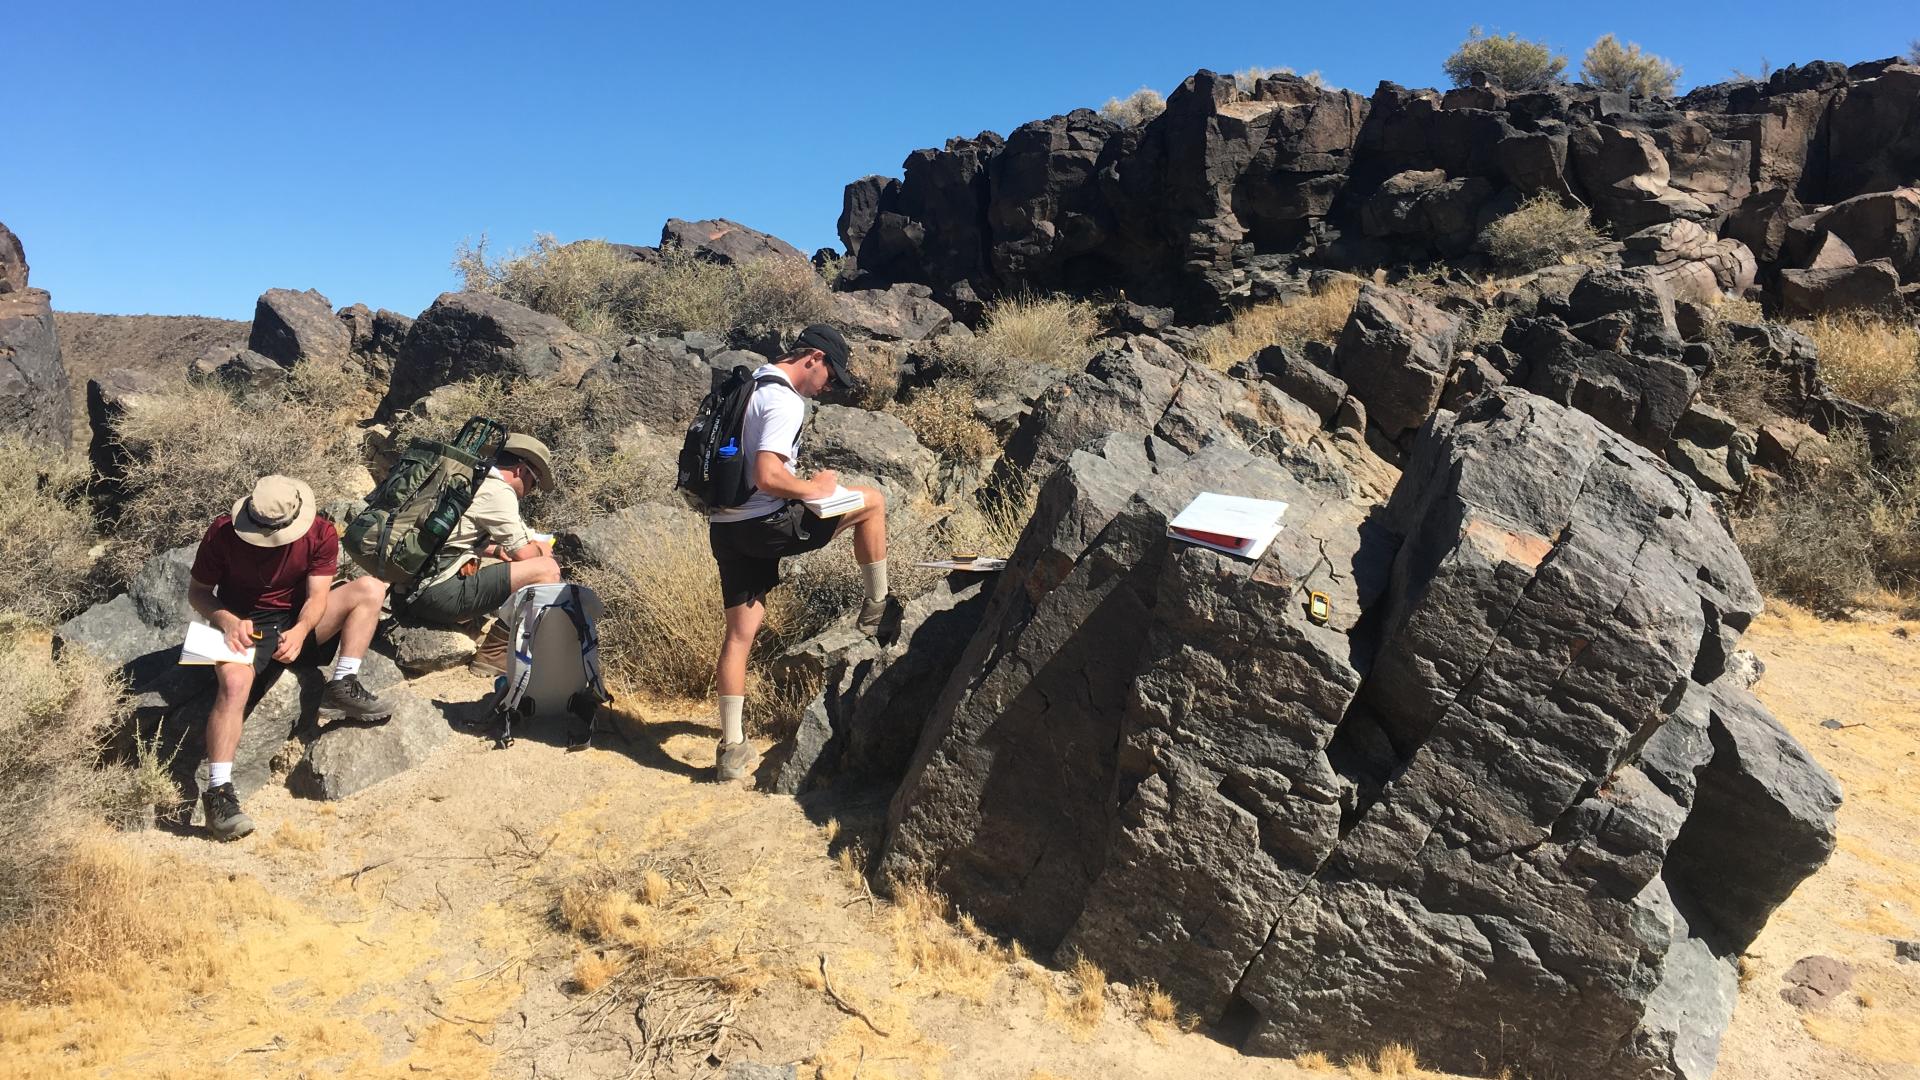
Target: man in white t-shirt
[(749, 540)]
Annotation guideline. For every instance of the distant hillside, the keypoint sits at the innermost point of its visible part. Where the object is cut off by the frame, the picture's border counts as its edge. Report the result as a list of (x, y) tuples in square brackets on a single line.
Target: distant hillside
[(91, 344)]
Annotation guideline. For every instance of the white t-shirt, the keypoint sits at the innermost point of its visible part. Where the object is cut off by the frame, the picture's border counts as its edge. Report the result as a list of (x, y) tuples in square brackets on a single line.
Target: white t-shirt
[(775, 415)]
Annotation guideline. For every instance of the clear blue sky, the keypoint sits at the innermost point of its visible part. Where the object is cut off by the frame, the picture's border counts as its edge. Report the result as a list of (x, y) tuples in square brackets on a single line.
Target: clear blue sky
[(181, 158)]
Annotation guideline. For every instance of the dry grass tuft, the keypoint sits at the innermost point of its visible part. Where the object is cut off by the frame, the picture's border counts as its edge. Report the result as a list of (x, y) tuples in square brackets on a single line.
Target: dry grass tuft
[(294, 838), (655, 889), (1872, 360), (55, 716), (1087, 1006), (45, 523), (605, 294), (1541, 232), (942, 418), (661, 631), (1314, 1061), (197, 449), (1319, 317), (1395, 1061), (593, 969), (956, 954), (1024, 329)]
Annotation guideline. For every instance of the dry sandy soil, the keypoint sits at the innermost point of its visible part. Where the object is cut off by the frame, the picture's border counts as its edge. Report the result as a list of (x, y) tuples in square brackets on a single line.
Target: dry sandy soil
[(164, 344), (422, 928)]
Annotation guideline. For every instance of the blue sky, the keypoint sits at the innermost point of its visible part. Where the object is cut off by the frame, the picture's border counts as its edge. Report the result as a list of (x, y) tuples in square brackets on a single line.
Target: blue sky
[(180, 159)]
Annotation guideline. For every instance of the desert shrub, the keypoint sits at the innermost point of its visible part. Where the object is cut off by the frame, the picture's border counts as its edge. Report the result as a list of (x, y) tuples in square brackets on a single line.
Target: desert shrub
[(55, 716), (942, 418), (1024, 329), (876, 374), (45, 524), (1872, 360), (1828, 535), (198, 448), (1540, 232), (1246, 78), (1611, 66), (1741, 384), (1913, 51), (1508, 61), (661, 631), (604, 293), (1316, 317), (1135, 109)]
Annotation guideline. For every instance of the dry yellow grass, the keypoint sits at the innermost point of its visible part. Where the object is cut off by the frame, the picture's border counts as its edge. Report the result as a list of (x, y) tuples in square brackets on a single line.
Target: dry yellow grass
[(1395, 1061), (1541, 232), (1319, 317), (45, 522), (958, 955), (942, 418), (1025, 329), (1084, 1004), (1872, 360), (294, 837), (593, 970), (1314, 1061), (655, 889)]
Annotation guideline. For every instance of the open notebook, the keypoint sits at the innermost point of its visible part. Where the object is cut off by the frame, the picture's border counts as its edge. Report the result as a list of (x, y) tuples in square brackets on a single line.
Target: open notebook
[(205, 645), (1229, 523), (840, 502)]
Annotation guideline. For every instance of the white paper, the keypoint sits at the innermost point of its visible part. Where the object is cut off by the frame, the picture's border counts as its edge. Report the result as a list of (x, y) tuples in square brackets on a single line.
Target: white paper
[(1252, 522), (983, 564), (205, 645), (842, 501)]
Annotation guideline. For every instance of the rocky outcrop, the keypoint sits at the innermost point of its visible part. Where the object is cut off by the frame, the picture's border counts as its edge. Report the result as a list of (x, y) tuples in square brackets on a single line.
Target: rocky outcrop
[(33, 382), (1476, 811), (469, 334), (723, 241), (290, 326)]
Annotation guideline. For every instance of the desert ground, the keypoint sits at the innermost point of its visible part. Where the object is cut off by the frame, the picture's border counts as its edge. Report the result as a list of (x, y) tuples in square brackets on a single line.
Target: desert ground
[(518, 913)]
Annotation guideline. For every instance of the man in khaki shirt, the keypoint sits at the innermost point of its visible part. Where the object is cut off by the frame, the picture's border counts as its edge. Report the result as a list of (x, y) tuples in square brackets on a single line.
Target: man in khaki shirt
[(491, 554)]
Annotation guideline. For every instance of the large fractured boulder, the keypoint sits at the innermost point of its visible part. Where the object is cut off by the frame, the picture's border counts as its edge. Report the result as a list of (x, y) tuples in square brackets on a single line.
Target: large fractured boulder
[(1452, 816), (1637, 394), (895, 313), (469, 334), (350, 756), (657, 381), (290, 326), (1395, 355), (1867, 286), (33, 381), (869, 446)]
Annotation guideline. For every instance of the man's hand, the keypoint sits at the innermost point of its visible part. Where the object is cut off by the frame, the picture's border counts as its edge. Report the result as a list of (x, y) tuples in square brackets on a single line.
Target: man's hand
[(823, 483), (288, 647), (239, 631)]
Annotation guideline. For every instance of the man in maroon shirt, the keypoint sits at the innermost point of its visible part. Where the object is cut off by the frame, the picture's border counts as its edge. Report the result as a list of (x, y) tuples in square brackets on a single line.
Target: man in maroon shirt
[(263, 577)]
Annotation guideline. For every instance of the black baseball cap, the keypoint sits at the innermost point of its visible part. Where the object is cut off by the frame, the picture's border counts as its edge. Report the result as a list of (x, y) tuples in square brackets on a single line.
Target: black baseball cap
[(828, 341)]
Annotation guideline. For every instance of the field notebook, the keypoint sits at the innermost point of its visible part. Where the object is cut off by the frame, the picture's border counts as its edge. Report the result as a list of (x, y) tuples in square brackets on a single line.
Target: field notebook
[(1229, 523), (205, 645), (840, 502)]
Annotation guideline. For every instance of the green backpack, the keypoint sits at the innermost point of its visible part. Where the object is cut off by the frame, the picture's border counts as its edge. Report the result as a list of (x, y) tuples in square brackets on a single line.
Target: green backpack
[(409, 516)]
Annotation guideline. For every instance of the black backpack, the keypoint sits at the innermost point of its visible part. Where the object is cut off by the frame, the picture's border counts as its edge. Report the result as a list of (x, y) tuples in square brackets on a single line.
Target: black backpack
[(714, 473)]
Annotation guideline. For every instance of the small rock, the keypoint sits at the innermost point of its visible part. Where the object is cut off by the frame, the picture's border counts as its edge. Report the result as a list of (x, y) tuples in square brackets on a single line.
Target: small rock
[(422, 650), (1815, 981), (1907, 950)]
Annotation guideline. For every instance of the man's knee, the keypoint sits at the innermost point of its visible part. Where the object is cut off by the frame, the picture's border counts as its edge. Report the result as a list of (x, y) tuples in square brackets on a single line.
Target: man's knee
[(546, 570), (232, 682), (368, 591)]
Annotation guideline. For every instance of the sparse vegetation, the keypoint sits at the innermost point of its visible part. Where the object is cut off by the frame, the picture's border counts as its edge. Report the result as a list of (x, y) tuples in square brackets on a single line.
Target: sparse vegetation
[(198, 448), (1293, 323), (942, 418), (603, 292), (1135, 109), (1874, 361), (45, 523), (1539, 233), (1246, 78), (1612, 66), (1049, 330), (1508, 62)]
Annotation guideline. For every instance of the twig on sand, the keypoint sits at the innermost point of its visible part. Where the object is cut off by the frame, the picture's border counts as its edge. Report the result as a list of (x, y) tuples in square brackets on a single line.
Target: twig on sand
[(273, 1047), (843, 1004), (355, 876)]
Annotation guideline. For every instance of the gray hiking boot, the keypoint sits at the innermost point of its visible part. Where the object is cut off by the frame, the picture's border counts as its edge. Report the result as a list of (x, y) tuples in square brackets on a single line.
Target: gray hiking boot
[(348, 698), (880, 619), (733, 761), (225, 819)]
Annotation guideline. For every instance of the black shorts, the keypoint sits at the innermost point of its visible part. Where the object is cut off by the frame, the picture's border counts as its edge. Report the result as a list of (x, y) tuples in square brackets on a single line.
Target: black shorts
[(749, 552), (270, 624)]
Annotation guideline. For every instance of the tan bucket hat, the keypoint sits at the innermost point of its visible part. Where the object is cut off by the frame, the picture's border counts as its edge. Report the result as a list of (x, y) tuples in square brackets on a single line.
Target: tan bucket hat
[(535, 454), (279, 511)]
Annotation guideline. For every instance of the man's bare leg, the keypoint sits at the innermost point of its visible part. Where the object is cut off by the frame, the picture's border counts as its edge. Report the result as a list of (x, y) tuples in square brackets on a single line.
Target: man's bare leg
[(353, 611), (232, 684), (735, 757), (869, 526)]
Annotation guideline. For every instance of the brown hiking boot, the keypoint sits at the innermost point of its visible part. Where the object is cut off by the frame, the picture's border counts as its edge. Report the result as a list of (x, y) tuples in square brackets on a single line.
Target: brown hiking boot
[(490, 658)]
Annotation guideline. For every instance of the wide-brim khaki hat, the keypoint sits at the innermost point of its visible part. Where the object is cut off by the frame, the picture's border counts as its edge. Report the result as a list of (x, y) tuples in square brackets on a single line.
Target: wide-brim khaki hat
[(535, 454), (279, 511)]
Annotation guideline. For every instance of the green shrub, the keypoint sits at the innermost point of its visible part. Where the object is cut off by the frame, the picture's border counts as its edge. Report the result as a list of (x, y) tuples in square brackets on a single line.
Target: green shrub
[(1135, 109), (606, 294), (45, 524), (1610, 66), (1508, 61), (1541, 232)]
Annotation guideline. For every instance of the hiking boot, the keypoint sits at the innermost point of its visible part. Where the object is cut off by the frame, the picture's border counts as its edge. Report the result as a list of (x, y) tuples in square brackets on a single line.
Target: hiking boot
[(225, 819), (490, 656), (348, 698), (880, 619), (733, 761)]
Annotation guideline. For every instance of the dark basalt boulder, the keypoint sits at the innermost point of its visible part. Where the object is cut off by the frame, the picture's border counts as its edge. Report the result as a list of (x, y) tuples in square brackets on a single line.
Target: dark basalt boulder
[(290, 326), (469, 334)]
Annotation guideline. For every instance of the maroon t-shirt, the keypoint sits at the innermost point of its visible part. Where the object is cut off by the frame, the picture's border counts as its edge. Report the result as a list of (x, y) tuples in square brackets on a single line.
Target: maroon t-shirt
[(249, 578)]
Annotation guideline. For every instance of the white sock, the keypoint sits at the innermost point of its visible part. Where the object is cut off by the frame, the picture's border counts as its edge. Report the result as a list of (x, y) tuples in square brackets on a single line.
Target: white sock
[(875, 576), (345, 666), (219, 772), (731, 706)]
